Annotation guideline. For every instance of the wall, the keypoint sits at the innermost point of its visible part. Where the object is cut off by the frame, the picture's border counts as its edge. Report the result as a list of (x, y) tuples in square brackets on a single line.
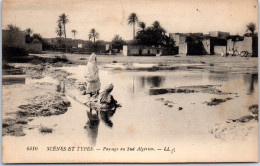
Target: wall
[(213, 33), (176, 38), (108, 47), (244, 45), (206, 46), (125, 51), (220, 50), (219, 34), (183, 48), (134, 50), (180, 41), (13, 39)]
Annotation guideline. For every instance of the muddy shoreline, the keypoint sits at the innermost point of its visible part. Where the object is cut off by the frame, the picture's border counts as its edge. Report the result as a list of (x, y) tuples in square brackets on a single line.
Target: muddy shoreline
[(37, 99)]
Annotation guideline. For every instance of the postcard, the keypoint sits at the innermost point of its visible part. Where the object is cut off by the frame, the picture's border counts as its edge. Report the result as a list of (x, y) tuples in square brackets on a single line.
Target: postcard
[(129, 81)]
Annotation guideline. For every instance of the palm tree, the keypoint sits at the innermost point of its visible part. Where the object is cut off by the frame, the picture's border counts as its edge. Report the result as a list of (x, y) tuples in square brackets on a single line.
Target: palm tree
[(63, 19), (142, 25), (157, 26), (93, 34), (59, 30), (29, 31), (132, 19), (74, 33), (251, 27), (116, 38)]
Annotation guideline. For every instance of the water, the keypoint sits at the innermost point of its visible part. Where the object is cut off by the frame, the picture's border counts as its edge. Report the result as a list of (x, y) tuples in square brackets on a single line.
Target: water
[(143, 119), (10, 79)]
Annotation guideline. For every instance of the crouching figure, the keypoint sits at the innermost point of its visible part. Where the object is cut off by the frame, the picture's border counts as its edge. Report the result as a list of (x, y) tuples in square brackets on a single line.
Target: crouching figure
[(106, 100)]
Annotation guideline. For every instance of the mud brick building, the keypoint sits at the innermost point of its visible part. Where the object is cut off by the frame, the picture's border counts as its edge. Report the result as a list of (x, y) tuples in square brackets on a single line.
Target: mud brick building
[(214, 43), (240, 44), (130, 50)]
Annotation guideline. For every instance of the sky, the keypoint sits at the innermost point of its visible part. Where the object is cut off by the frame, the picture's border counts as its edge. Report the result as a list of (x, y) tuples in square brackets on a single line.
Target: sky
[(109, 17)]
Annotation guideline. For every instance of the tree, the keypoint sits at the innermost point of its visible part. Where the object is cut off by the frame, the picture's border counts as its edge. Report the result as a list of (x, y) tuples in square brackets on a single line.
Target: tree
[(74, 33), (63, 20), (37, 36), (153, 36), (159, 32), (93, 34), (29, 31), (12, 27), (157, 27), (132, 19), (28, 37), (59, 30), (14, 31), (117, 42), (142, 25), (251, 27)]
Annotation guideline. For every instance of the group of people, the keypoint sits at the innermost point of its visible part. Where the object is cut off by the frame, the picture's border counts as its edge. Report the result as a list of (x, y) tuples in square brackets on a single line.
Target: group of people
[(92, 85), (107, 103)]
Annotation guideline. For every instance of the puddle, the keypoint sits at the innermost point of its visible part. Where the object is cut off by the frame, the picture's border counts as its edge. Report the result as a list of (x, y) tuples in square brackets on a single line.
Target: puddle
[(13, 79)]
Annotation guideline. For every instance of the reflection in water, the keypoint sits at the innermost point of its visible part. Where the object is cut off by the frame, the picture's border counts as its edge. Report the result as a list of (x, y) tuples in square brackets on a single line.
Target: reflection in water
[(92, 126), (219, 76), (151, 81), (105, 112), (155, 81), (251, 80), (106, 115), (13, 80)]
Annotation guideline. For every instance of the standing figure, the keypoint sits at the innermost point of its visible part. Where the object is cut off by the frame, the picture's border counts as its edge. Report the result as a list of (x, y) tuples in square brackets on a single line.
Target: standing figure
[(91, 76)]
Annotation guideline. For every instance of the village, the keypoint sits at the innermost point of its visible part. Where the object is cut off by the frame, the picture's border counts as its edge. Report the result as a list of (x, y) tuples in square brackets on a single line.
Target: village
[(147, 41)]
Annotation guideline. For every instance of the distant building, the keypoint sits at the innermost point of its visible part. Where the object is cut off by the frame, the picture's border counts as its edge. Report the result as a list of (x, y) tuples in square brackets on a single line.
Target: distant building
[(80, 45), (16, 39), (129, 50), (108, 47), (188, 43), (239, 44), (219, 34), (200, 44), (180, 42)]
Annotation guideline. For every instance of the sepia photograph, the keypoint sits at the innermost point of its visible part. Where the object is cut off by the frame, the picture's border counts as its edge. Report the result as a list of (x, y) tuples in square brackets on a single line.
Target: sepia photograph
[(129, 81)]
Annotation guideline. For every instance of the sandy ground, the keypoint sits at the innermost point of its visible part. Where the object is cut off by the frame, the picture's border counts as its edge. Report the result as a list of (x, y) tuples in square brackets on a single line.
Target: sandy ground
[(42, 101)]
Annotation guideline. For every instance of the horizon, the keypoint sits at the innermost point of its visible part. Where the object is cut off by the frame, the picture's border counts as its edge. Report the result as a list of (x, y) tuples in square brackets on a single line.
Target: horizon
[(175, 16)]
